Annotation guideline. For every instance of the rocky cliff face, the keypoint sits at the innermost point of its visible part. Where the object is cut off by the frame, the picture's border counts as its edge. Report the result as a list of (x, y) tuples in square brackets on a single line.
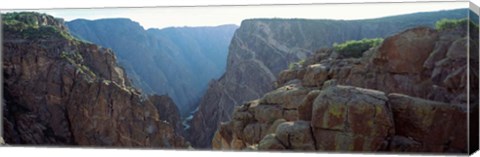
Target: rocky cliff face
[(62, 91), (407, 95), (262, 48), (168, 111), (175, 61)]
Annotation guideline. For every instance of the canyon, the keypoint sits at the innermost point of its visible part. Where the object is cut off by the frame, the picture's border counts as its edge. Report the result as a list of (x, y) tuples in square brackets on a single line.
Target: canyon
[(176, 61), (268, 84)]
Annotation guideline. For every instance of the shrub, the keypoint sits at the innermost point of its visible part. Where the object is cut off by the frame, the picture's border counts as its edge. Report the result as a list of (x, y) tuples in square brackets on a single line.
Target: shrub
[(26, 25), (445, 24), (295, 65), (355, 48)]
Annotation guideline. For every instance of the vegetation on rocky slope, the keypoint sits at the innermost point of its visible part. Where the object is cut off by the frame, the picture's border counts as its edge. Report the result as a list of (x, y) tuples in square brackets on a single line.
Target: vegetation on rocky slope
[(445, 24), (29, 25), (355, 48)]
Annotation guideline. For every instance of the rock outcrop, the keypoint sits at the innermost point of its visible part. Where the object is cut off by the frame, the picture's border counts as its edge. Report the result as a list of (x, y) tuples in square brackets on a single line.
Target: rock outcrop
[(406, 95), (62, 91), (262, 48)]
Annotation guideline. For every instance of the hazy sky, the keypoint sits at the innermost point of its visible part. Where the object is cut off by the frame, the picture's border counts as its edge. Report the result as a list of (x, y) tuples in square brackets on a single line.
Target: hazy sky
[(211, 16)]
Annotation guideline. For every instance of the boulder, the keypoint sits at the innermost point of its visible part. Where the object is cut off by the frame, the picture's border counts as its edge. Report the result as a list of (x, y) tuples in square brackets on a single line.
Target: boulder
[(360, 118), (296, 135), (458, 49), (274, 126), (315, 75), (406, 52), (332, 140), (436, 125), (268, 113), (254, 132), (270, 142), (305, 108), (287, 75), (289, 97), (290, 115)]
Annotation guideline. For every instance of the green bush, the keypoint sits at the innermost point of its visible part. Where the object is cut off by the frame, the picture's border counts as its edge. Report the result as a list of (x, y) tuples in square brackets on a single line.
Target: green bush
[(445, 24), (26, 25), (294, 65), (355, 48), (28, 18)]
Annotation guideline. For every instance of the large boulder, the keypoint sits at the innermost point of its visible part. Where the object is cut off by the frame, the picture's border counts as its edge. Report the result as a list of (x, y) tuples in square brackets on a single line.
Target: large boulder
[(437, 126), (315, 75), (254, 132), (268, 113), (296, 135), (305, 109), (288, 75), (270, 142), (289, 96), (406, 52), (347, 118)]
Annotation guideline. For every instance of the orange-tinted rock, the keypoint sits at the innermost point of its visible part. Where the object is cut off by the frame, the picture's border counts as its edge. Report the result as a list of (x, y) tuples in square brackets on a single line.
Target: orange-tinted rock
[(296, 135), (407, 51), (226, 139), (351, 118), (305, 109), (430, 123), (289, 97), (315, 75)]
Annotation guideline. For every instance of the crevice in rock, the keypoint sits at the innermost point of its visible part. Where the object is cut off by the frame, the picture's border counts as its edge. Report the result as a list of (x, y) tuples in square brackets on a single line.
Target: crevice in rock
[(314, 139)]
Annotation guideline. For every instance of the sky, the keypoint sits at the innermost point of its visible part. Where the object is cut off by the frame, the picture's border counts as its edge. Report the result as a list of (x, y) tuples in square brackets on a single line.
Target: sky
[(161, 17)]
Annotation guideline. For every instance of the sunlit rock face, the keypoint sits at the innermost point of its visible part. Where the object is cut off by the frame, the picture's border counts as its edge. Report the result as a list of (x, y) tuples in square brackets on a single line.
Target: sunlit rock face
[(59, 90)]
